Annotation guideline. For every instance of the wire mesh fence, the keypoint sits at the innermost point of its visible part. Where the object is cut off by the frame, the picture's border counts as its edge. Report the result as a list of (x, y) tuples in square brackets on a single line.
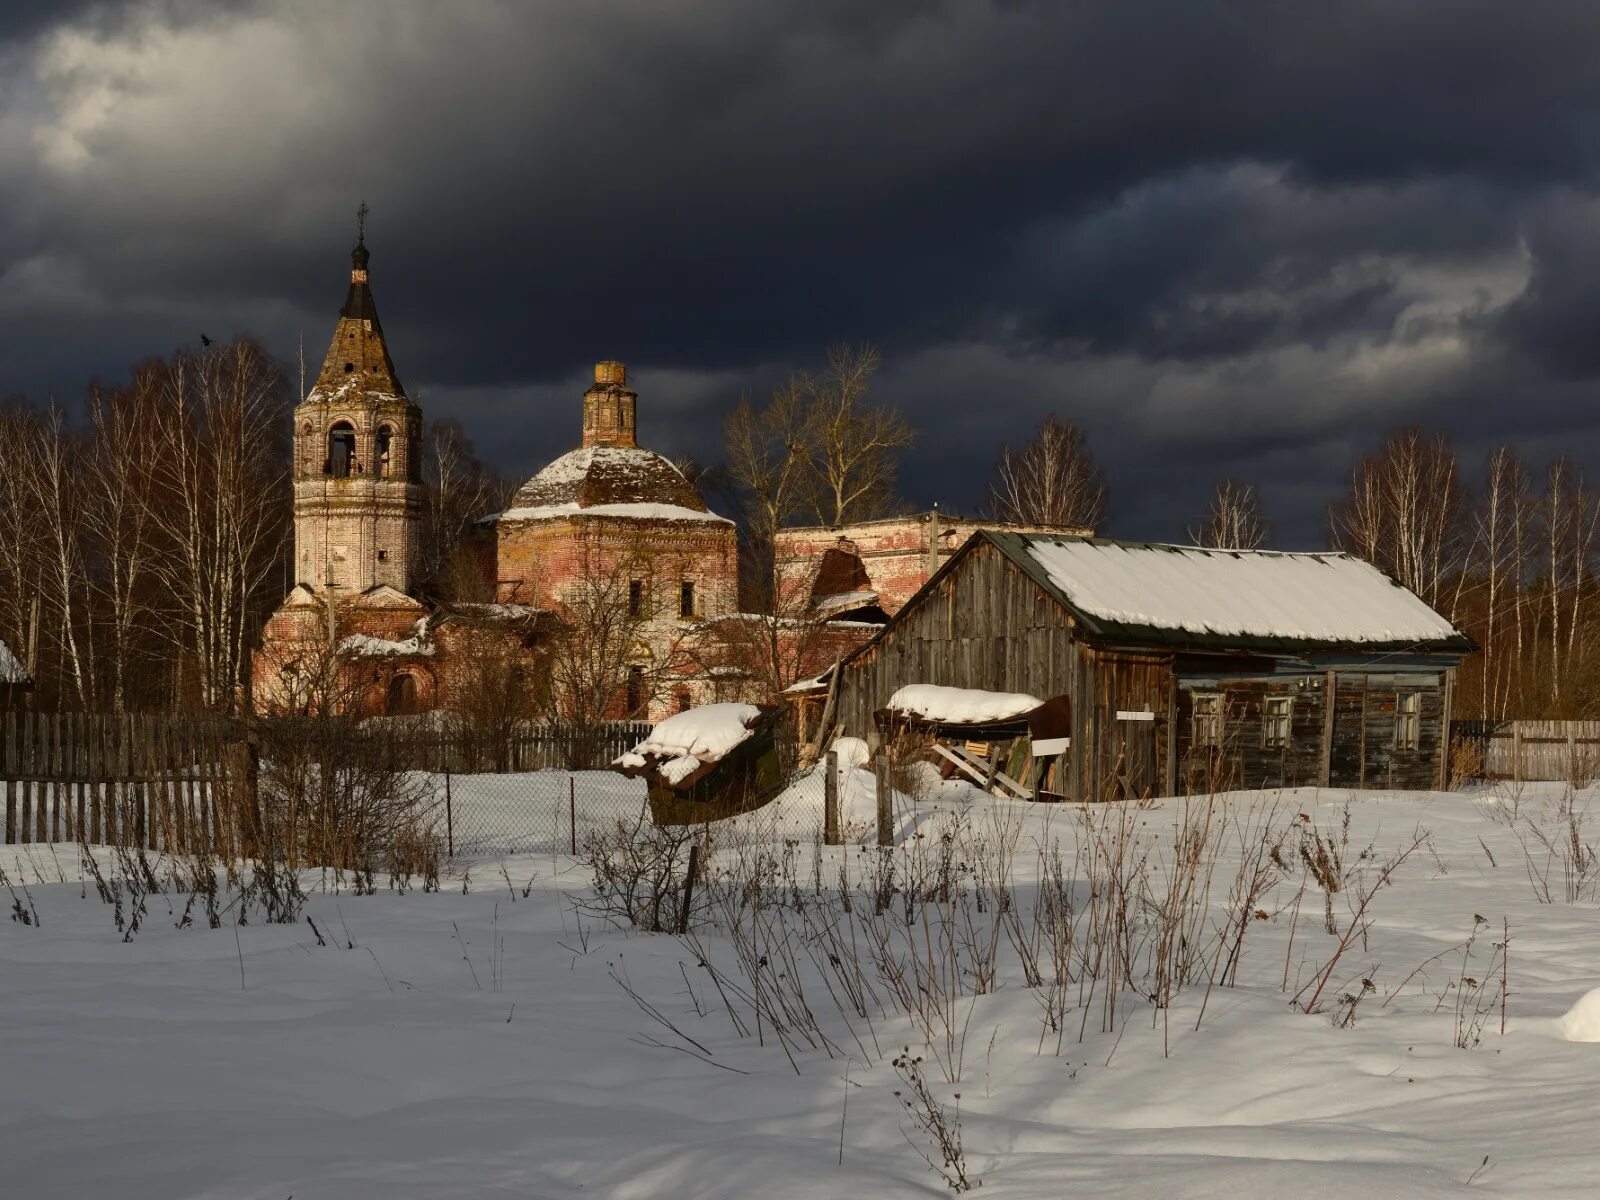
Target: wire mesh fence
[(535, 812)]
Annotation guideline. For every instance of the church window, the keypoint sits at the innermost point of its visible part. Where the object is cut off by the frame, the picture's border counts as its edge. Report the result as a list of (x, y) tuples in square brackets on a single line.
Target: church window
[(384, 445), (680, 700), (383, 556), (402, 698), (349, 367), (686, 598), (341, 450), (636, 597), (635, 698)]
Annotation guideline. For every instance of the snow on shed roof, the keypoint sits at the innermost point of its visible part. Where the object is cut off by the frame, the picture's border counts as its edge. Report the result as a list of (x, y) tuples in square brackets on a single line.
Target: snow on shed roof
[(1260, 595), (960, 706), (684, 742)]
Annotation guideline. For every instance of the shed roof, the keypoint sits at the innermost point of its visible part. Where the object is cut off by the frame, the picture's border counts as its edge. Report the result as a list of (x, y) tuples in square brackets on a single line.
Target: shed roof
[(1252, 599)]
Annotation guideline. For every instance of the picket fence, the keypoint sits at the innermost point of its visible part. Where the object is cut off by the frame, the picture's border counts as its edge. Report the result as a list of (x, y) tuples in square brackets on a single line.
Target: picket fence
[(160, 782)]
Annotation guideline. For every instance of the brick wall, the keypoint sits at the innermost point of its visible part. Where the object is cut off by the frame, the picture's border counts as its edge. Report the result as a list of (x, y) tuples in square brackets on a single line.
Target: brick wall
[(899, 553), (544, 562)]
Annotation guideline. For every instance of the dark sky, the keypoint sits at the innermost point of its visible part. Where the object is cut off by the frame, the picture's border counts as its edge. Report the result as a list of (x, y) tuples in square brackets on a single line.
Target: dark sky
[(1226, 238)]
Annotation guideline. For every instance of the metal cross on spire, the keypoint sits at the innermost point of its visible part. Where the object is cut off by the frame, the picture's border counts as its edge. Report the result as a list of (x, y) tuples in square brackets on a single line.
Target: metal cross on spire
[(361, 223)]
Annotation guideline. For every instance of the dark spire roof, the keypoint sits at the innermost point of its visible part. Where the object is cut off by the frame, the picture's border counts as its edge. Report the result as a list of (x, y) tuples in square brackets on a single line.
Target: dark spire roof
[(358, 356)]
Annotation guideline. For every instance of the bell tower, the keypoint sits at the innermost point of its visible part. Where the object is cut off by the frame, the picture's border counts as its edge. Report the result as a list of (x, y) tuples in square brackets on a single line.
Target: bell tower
[(357, 458)]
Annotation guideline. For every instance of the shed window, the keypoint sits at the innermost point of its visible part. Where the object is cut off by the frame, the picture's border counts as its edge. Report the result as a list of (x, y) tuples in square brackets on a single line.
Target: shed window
[(636, 598), (686, 598), (1408, 721), (1206, 719), (1275, 716)]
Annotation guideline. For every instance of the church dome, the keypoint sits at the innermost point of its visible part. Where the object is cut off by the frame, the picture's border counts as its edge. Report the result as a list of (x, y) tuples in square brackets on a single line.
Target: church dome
[(610, 481)]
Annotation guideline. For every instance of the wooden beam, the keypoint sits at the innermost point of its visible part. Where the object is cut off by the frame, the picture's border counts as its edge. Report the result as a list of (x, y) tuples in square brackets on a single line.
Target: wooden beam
[(1444, 728), (1330, 696), (978, 771), (1172, 731)]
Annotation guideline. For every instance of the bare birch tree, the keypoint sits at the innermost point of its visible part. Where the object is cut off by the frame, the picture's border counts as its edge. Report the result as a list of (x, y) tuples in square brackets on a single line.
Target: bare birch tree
[(223, 510), (1404, 513), (769, 462), (1051, 480), (54, 466), (854, 446), (459, 490), (120, 502), (1497, 545), (21, 538), (1235, 521)]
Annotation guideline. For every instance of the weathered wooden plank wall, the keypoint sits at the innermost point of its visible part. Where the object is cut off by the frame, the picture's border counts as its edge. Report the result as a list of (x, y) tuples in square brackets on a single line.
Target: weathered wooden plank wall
[(1346, 738), (986, 626), (1536, 750)]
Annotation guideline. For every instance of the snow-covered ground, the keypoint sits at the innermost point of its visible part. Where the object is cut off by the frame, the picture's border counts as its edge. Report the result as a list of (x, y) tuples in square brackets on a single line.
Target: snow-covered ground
[(480, 1041)]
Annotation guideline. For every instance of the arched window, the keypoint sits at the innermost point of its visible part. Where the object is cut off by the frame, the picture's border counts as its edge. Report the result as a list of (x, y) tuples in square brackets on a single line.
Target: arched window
[(402, 698), (341, 450), (381, 452)]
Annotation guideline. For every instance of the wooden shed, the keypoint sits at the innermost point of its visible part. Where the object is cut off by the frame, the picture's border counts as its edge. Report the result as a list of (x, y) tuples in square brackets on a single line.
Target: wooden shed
[(1186, 669), (707, 763)]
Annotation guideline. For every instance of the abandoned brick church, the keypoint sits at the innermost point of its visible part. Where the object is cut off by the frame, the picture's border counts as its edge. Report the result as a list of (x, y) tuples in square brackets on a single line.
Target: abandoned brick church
[(608, 524)]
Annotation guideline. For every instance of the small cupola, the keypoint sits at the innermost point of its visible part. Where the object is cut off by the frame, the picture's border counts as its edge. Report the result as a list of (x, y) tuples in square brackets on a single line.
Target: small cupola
[(609, 408)]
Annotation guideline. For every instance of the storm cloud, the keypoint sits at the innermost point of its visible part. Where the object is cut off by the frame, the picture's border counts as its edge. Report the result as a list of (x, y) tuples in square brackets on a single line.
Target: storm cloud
[(1235, 238)]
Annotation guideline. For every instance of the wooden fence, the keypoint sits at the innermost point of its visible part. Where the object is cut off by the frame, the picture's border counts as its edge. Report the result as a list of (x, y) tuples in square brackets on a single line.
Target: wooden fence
[(186, 783), (153, 781), (1535, 750), (537, 746)]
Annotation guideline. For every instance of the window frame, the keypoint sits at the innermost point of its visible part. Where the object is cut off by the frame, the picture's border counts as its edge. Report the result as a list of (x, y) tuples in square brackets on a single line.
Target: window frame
[(1277, 722), (1408, 720), (1206, 710)]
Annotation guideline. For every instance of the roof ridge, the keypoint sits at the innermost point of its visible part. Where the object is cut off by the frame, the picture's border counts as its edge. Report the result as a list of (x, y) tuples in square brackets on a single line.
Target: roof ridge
[(1135, 544)]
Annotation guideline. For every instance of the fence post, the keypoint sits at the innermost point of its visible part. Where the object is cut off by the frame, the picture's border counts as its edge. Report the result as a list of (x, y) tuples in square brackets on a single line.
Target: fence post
[(11, 765), (885, 801), (572, 811), (449, 820), (688, 888), (830, 800)]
